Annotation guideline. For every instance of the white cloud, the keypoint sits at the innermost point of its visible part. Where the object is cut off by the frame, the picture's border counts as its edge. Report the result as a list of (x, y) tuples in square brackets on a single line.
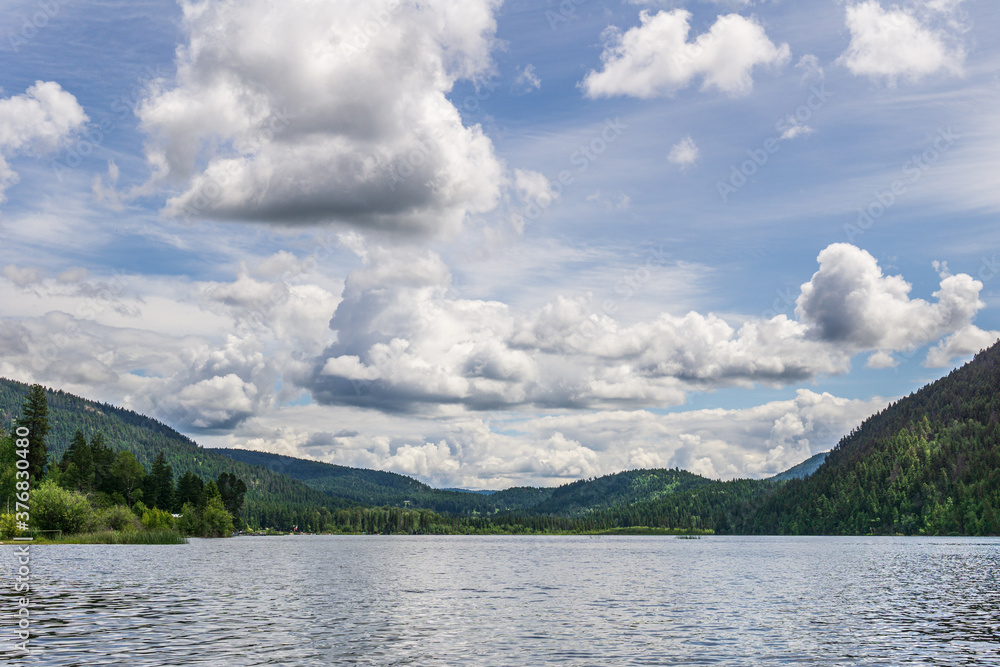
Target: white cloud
[(849, 301), (507, 449), (881, 359), (892, 43), (795, 129), (205, 358), (811, 69), (23, 276), (656, 59), (298, 112), (527, 79), (964, 342), (41, 119), (402, 342), (405, 342), (684, 153)]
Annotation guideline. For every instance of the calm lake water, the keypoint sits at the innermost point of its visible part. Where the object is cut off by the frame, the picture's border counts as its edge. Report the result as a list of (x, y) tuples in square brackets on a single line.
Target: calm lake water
[(375, 600)]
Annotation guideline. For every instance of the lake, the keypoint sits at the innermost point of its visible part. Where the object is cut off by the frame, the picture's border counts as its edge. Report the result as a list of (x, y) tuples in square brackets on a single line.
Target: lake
[(375, 600)]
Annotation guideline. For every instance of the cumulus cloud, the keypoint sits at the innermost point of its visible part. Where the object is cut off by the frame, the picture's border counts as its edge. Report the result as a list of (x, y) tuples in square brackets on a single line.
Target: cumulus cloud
[(298, 112), (684, 153), (887, 44), (969, 340), (507, 449), (656, 58), (850, 302), (23, 276), (400, 340), (238, 340), (406, 343), (41, 119)]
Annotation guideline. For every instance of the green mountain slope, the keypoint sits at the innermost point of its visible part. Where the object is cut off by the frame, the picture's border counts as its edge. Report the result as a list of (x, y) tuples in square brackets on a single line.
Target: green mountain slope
[(378, 488), (275, 499), (928, 464), (621, 489), (804, 469), (715, 506)]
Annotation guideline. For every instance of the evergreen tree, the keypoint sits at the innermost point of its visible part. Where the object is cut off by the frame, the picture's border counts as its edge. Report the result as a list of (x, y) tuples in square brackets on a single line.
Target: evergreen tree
[(232, 490), (8, 469), (78, 439), (160, 484), (78, 464), (210, 491), (189, 490), (104, 459), (35, 418)]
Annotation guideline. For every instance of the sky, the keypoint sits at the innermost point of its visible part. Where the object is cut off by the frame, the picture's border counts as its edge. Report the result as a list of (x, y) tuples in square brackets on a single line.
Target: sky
[(490, 243)]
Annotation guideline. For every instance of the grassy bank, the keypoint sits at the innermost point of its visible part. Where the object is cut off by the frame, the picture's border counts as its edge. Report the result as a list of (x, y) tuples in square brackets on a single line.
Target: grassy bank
[(646, 530), (117, 537)]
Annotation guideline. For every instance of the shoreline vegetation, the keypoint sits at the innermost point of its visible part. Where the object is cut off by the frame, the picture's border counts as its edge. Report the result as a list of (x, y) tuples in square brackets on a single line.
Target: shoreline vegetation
[(94, 495), (174, 537), (111, 537)]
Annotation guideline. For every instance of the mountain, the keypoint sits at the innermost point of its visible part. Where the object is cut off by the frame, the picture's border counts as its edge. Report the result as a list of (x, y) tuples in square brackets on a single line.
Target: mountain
[(272, 499), (378, 488), (927, 464), (627, 488), (804, 469)]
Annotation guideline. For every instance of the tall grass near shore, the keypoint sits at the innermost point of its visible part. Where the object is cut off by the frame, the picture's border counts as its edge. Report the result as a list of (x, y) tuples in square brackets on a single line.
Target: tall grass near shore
[(165, 536)]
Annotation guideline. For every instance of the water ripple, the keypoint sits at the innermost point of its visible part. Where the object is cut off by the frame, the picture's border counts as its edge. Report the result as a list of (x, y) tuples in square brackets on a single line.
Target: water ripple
[(516, 601)]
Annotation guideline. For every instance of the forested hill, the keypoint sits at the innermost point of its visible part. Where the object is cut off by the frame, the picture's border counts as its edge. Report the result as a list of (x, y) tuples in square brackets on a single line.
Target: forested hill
[(929, 463), (376, 487), (271, 497), (804, 469), (619, 490)]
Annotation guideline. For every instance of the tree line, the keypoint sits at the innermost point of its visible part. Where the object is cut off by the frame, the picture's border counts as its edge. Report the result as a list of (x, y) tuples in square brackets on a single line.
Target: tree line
[(94, 488)]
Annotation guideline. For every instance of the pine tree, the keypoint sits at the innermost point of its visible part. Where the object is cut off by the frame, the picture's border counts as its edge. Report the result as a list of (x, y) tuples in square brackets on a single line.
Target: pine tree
[(210, 491), (160, 484), (35, 418), (189, 491), (233, 490), (104, 458), (78, 464), (76, 442)]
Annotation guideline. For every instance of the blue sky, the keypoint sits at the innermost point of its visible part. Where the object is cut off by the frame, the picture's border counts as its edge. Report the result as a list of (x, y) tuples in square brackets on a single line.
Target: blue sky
[(490, 243)]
